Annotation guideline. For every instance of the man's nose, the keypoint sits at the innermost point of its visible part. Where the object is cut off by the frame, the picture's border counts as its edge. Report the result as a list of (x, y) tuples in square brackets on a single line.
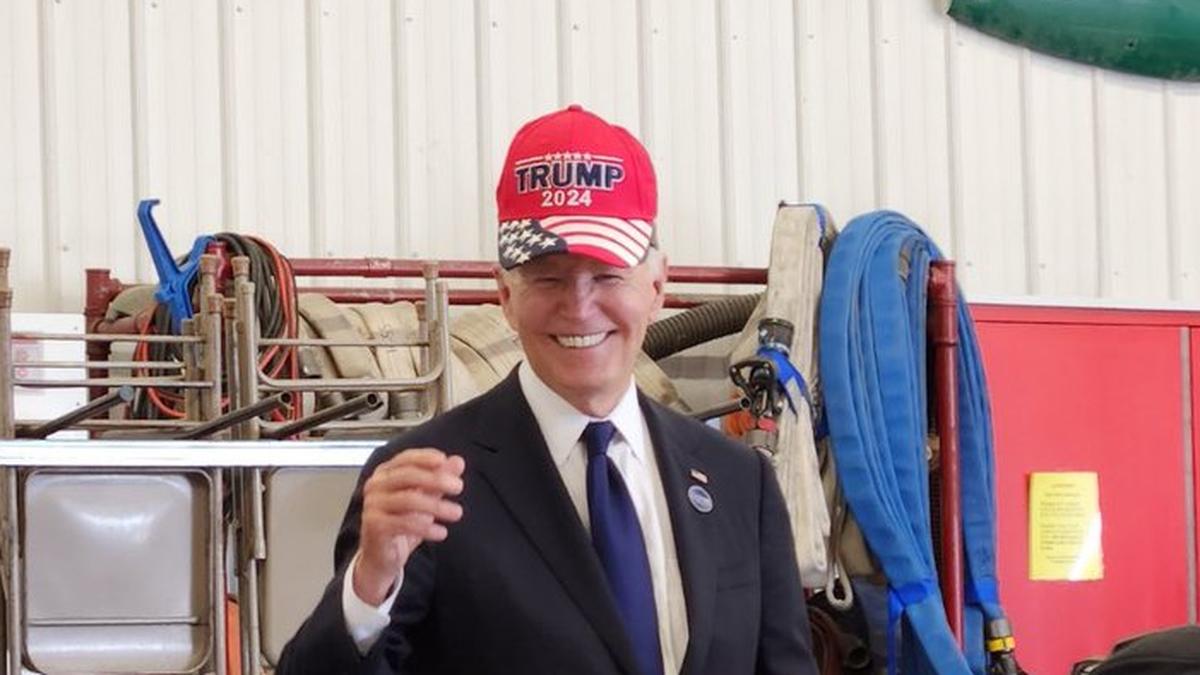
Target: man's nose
[(578, 296)]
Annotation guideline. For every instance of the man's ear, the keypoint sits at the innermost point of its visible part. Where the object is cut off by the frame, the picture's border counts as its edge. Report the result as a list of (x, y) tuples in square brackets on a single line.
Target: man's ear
[(504, 290), (660, 285)]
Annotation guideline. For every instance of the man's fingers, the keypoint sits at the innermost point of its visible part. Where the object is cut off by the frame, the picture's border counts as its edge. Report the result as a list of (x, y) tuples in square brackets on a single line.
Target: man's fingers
[(420, 525), (414, 501), (455, 464), (441, 480), (428, 457), (436, 532)]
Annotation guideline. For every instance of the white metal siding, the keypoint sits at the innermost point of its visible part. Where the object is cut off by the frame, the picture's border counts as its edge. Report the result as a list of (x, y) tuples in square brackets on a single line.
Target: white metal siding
[(376, 128)]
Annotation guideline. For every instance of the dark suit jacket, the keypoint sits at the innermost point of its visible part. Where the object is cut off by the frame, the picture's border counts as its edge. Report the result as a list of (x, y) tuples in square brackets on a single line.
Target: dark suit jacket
[(517, 587)]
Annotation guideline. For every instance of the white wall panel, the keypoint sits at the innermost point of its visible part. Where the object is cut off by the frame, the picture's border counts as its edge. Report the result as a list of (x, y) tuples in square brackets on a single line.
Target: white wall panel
[(989, 237), (268, 142), (378, 127), (836, 115), (911, 124), (758, 128), (1183, 169), (1060, 178), (354, 113), (91, 123), (181, 57), (23, 222), (687, 136), (1134, 229)]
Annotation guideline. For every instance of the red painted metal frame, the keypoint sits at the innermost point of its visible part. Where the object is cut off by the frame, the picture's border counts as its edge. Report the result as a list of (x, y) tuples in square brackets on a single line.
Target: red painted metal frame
[(943, 330), (1024, 314), (101, 287), (457, 296), (477, 269)]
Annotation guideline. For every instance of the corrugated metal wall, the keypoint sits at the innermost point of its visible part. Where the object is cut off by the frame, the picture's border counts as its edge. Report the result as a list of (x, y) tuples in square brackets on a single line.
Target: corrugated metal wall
[(366, 127)]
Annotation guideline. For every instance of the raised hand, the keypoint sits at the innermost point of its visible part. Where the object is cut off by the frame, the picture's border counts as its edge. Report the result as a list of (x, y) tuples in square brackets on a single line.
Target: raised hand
[(405, 502)]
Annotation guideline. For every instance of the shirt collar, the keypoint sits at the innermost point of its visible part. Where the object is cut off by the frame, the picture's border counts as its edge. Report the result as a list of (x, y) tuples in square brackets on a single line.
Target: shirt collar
[(562, 424)]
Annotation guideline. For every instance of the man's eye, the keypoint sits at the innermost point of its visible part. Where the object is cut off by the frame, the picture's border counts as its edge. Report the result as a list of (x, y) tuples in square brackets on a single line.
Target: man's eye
[(608, 278)]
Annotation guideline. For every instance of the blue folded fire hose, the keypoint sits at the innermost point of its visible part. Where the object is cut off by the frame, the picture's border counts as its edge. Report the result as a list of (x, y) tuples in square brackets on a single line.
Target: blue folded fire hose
[(873, 369)]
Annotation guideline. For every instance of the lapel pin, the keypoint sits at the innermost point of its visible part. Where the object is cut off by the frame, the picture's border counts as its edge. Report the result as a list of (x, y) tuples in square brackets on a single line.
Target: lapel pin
[(700, 499), (699, 476)]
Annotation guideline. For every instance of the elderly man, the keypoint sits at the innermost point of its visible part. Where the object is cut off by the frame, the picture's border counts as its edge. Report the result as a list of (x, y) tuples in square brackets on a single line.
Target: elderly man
[(562, 523)]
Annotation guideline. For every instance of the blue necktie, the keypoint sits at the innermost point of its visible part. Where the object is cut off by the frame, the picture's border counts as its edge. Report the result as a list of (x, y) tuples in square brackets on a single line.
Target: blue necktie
[(617, 537)]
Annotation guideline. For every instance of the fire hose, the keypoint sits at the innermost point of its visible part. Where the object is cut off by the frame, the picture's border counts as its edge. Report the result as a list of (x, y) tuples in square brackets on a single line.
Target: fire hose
[(872, 351)]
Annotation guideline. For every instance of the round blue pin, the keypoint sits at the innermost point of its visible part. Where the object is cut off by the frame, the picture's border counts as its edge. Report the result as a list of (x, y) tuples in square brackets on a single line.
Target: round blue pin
[(700, 499)]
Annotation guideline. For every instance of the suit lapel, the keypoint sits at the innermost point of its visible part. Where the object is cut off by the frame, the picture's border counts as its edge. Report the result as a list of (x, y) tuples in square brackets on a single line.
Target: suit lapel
[(693, 545), (525, 478)]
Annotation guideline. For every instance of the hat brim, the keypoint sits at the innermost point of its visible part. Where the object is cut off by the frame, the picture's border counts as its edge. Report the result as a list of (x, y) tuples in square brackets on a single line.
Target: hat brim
[(620, 242)]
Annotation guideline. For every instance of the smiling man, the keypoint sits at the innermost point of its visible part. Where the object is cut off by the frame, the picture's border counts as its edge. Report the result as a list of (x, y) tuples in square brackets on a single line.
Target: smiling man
[(562, 523)]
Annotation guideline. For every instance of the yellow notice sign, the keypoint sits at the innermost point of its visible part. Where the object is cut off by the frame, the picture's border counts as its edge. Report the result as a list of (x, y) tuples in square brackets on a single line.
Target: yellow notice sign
[(1064, 527)]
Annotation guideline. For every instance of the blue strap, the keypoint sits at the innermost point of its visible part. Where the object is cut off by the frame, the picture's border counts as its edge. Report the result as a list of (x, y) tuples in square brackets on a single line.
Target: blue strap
[(898, 600), (982, 591), (786, 373), (873, 366)]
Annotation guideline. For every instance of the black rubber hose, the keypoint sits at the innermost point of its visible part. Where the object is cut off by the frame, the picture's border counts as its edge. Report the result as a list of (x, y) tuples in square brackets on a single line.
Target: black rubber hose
[(699, 325)]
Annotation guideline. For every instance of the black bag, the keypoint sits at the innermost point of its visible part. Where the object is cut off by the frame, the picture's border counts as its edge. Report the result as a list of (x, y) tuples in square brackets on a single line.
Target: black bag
[(1169, 652)]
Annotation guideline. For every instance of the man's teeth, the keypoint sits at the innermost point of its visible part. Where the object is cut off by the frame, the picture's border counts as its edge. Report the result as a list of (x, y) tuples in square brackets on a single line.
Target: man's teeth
[(580, 341)]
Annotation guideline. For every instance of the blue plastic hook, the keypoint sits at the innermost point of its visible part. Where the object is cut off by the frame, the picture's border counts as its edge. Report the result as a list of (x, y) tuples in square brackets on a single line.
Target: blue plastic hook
[(173, 280)]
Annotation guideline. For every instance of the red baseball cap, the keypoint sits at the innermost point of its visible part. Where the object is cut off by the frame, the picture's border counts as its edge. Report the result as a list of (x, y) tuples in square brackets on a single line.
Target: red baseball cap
[(573, 183)]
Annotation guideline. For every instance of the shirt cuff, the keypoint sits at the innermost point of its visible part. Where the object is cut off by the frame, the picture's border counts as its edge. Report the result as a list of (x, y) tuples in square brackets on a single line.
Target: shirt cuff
[(365, 622)]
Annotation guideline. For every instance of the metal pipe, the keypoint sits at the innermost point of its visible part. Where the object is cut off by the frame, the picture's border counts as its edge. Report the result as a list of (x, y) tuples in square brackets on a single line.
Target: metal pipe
[(191, 360), (363, 425), (175, 381), (11, 546), (246, 344), (352, 384), (118, 621), (15, 592), (458, 297), (106, 424), (106, 288), (354, 405), (233, 390), (212, 262), (720, 410), (236, 417), (257, 515), (6, 364), (210, 400), (107, 337), (943, 327), (328, 342), (445, 386), (253, 539), (88, 410), (100, 365), (251, 660), (217, 570), (426, 314), (477, 269)]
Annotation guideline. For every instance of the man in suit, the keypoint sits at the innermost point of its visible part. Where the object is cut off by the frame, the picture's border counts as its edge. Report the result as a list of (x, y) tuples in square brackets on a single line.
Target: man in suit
[(562, 523)]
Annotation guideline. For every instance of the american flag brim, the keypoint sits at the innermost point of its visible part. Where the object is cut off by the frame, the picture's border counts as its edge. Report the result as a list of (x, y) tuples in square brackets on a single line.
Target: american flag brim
[(621, 240)]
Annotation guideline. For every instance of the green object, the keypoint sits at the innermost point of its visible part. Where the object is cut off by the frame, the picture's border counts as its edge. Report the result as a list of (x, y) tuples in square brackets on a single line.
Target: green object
[(1159, 38)]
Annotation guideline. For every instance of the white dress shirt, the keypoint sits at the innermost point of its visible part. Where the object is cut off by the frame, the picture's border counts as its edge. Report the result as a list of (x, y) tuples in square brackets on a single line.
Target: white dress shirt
[(631, 451)]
